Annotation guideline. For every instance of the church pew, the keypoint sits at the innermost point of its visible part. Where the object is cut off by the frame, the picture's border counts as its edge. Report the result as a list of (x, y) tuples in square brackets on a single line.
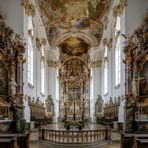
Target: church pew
[(22, 140), (141, 143), (8, 142), (127, 140)]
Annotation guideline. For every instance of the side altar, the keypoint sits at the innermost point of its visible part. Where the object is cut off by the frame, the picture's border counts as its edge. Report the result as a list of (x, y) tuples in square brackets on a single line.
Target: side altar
[(11, 78), (136, 61)]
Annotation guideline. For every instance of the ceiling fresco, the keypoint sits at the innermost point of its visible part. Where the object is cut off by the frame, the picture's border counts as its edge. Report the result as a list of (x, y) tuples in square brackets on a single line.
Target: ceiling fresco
[(74, 47), (73, 13)]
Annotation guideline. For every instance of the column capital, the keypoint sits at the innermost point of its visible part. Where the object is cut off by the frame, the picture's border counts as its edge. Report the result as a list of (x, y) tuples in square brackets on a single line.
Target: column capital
[(53, 63)]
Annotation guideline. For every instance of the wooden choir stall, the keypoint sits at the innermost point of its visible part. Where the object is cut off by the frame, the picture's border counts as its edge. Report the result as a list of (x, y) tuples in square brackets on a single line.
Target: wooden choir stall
[(37, 112)]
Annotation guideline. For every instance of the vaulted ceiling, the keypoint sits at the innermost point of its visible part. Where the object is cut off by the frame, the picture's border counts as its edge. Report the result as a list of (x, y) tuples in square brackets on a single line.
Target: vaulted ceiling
[(83, 16)]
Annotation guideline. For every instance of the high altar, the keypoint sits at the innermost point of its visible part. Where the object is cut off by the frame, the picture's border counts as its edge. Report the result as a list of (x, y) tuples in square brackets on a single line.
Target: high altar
[(74, 80)]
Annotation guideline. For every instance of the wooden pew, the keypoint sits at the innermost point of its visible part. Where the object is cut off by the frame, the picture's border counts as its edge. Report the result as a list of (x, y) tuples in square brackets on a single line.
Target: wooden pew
[(8, 141), (20, 140), (128, 140), (141, 143)]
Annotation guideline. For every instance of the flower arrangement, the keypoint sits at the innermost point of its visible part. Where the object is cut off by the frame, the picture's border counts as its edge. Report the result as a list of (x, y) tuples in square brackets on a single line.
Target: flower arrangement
[(73, 123)]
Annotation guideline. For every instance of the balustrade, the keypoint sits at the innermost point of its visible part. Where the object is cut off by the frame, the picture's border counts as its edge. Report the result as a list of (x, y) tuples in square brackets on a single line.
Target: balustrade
[(75, 136)]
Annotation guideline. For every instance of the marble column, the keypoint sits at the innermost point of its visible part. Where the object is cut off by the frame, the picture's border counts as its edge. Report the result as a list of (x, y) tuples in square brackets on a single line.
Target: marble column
[(92, 95), (57, 96), (52, 87), (97, 85)]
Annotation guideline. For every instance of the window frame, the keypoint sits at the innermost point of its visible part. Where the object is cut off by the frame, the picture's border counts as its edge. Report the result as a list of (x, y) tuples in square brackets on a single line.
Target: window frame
[(30, 52), (42, 76), (106, 71), (117, 52)]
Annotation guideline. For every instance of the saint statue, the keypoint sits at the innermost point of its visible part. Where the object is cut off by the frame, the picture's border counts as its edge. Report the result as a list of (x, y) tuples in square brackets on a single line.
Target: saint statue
[(134, 87), (13, 86)]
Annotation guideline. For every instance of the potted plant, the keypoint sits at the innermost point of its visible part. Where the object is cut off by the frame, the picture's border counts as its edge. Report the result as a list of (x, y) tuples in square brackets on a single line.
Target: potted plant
[(23, 126)]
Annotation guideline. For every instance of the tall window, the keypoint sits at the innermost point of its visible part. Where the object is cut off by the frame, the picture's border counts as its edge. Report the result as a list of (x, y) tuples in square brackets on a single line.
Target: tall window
[(105, 71), (118, 53), (43, 70), (118, 62), (30, 50)]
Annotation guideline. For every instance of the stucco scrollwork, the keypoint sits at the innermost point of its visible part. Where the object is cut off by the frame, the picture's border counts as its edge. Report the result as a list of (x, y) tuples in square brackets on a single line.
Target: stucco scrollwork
[(119, 7), (40, 42), (107, 42), (29, 8)]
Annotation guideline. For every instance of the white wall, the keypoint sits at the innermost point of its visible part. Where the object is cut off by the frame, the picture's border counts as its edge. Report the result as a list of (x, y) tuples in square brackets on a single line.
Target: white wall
[(35, 91), (134, 14), (12, 11)]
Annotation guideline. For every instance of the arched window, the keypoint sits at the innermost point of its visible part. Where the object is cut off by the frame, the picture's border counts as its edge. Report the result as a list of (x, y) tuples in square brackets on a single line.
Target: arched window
[(106, 71), (30, 50), (43, 70), (118, 52)]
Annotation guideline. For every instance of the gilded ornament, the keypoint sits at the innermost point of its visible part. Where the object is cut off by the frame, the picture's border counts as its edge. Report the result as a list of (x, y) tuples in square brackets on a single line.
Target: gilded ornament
[(38, 43), (96, 63), (107, 42), (118, 9), (20, 59), (53, 64), (29, 8)]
